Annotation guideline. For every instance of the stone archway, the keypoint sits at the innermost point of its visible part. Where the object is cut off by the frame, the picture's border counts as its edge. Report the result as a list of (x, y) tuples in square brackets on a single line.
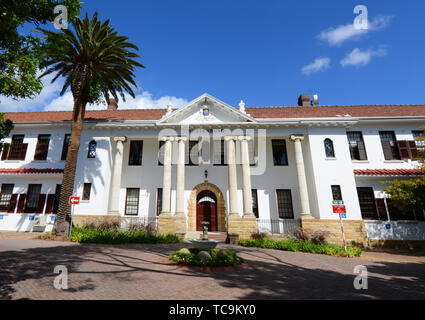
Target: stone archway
[(221, 208)]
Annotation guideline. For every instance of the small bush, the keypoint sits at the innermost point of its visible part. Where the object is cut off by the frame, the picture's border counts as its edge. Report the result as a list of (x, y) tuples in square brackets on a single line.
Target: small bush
[(302, 246), (116, 236), (258, 235), (192, 258), (318, 236)]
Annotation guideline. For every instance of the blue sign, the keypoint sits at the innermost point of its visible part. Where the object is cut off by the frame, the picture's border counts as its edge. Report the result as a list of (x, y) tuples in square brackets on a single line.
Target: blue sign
[(31, 218), (388, 226), (343, 216), (52, 218), (1, 217)]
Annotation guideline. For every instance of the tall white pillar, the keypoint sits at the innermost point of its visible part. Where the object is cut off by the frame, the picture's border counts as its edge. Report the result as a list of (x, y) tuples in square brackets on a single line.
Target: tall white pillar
[(180, 177), (166, 182), (302, 181), (246, 177), (231, 165), (114, 196)]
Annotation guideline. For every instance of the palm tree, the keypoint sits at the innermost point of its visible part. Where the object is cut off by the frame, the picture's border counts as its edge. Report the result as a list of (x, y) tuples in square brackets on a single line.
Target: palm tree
[(94, 61)]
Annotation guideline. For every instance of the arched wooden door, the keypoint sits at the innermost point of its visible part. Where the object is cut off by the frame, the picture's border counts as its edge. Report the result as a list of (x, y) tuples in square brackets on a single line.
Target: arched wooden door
[(206, 210)]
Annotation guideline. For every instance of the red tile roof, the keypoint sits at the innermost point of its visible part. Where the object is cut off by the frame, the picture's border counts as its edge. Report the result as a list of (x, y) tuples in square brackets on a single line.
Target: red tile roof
[(59, 116), (256, 112), (334, 111), (389, 172), (31, 170)]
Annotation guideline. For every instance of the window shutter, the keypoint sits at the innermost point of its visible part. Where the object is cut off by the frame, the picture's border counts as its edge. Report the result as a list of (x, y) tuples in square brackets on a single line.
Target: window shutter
[(382, 211), (413, 150), (23, 151), (50, 203), (41, 201), (386, 147), (362, 150), (12, 203), (4, 155), (403, 147), (21, 203), (38, 151), (217, 151)]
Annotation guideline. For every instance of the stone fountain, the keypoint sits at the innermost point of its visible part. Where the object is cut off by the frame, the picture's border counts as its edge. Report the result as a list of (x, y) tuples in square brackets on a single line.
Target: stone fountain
[(204, 244)]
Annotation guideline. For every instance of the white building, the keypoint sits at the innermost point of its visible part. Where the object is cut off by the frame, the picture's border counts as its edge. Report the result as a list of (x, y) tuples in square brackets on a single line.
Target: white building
[(294, 163)]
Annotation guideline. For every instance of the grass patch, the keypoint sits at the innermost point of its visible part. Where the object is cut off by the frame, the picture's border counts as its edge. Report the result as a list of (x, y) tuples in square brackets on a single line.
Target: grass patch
[(225, 258), (116, 236), (302, 246)]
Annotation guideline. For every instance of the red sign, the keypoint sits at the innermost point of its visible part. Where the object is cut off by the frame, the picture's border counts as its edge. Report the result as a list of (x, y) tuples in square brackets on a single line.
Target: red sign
[(74, 200), (339, 208)]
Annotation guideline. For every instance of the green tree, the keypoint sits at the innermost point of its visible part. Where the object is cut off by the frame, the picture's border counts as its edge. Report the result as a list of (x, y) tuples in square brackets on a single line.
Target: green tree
[(409, 195), (21, 54), (5, 127), (95, 61)]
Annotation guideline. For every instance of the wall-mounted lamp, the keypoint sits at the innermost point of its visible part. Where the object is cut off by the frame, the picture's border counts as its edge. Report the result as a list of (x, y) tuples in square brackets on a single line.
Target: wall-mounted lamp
[(206, 174)]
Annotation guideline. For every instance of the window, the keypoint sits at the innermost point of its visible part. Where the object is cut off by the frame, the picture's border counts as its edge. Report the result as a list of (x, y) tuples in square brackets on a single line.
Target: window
[(66, 140), (132, 202), (32, 198), (92, 150), (329, 148), (136, 150), (219, 152), (42, 147), (389, 145), (5, 196), (367, 203), (280, 157), (86, 191), (284, 204), (161, 152), (356, 145), (251, 151), (254, 202), (57, 198), (419, 137), (158, 201), (18, 148), (336, 193), (192, 157)]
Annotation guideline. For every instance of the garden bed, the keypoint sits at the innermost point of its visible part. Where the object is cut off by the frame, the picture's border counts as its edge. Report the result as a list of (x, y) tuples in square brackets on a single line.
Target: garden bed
[(301, 246), (213, 258)]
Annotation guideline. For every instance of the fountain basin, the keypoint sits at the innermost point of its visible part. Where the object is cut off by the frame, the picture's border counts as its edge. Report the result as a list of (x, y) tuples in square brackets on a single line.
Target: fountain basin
[(204, 245)]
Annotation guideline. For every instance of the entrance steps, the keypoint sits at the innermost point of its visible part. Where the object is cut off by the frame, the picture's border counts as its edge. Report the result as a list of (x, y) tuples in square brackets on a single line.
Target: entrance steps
[(220, 236)]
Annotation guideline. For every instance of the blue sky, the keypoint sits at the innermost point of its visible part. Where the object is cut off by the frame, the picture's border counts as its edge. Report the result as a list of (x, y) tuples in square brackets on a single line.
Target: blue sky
[(257, 51)]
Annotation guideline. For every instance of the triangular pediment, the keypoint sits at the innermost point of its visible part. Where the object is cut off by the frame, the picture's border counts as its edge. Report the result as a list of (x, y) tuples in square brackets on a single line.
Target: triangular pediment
[(206, 109)]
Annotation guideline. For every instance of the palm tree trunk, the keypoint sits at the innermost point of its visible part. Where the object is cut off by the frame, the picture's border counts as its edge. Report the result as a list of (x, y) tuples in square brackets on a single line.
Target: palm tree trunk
[(63, 217)]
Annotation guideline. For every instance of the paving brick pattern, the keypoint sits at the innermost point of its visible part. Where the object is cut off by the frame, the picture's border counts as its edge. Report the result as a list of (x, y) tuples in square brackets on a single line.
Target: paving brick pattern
[(144, 272)]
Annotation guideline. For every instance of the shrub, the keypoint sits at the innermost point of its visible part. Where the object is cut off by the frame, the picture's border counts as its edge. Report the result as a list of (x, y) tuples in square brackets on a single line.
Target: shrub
[(318, 236), (258, 235), (116, 236), (302, 246)]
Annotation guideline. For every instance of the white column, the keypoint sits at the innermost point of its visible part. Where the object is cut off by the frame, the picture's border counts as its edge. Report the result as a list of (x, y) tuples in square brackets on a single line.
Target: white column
[(114, 196), (231, 165), (166, 182), (302, 181), (246, 177), (180, 178)]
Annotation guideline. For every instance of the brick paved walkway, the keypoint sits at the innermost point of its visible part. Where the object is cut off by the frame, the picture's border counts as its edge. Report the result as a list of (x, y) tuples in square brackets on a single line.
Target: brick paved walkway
[(144, 272)]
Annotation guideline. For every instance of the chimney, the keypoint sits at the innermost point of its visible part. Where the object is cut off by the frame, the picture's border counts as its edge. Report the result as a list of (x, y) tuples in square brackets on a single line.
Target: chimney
[(112, 104), (304, 100)]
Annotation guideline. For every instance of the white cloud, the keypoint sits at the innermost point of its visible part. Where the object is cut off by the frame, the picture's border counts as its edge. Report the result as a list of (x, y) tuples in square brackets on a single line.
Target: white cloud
[(144, 100), (49, 90), (49, 100), (336, 36), (359, 58), (320, 64)]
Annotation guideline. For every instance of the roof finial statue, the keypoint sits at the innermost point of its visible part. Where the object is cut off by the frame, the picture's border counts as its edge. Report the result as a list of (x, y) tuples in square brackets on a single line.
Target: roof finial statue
[(169, 108), (242, 106)]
